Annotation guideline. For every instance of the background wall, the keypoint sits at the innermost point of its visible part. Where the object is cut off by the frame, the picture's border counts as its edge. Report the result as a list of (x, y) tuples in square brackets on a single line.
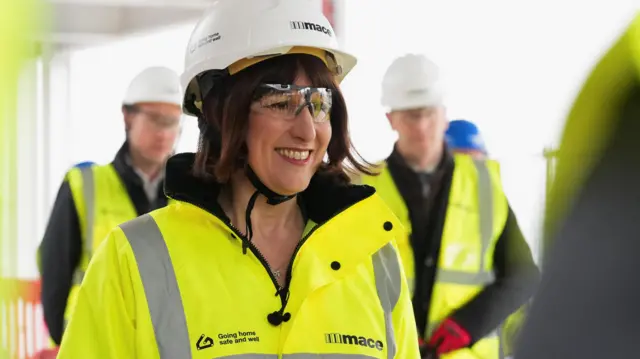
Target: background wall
[(513, 69)]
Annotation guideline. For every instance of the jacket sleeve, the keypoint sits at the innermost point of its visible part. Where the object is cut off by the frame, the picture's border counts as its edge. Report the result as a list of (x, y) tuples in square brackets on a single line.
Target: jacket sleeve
[(517, 278), (58, 257), (102, 324), (404, 324)]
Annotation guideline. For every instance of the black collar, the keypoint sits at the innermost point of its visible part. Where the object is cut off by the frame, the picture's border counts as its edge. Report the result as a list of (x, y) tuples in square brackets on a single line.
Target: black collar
[(123, 167), (134, 184), (326, 196), (395, 159)]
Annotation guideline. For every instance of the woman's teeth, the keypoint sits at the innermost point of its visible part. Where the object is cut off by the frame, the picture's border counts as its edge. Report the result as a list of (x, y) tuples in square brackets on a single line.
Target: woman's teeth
[(293, 154)]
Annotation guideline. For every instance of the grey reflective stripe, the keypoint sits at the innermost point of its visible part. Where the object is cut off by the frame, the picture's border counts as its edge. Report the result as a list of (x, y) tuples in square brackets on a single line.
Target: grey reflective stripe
[(386, 268), (88, 192), (89, 196), (250, 356), (160, 287), (485, 202), (485, 213), (459, 277), (324, 356)]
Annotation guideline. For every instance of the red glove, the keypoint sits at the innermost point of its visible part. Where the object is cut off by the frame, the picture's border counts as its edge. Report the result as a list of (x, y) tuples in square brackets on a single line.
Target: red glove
[(448, 337)]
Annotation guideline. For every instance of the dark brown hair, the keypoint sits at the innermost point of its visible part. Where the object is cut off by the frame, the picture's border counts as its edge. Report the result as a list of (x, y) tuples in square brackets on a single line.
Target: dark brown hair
[(223, 128)]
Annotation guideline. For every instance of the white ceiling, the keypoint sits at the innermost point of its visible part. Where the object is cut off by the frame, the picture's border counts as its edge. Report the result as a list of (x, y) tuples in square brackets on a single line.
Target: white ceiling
[(79, 23)]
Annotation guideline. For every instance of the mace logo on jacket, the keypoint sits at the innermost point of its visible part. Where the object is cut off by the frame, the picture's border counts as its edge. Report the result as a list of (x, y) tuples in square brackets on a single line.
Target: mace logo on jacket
[(350, 339)]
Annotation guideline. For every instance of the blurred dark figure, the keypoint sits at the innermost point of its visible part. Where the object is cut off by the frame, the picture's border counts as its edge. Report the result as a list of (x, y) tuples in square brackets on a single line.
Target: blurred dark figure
[(588, 302)]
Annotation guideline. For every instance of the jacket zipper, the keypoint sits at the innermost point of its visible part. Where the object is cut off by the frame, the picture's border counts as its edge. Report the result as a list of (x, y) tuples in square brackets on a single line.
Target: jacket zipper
[(287, 281), (256, 252)]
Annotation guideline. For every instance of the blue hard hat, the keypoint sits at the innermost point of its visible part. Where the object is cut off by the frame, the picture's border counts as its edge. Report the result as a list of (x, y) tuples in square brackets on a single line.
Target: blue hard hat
[(84, 164), (464, 135)]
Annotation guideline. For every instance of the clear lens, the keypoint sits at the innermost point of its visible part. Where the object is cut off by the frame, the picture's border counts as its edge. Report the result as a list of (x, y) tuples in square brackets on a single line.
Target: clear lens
[(159, 121), (287, 101)]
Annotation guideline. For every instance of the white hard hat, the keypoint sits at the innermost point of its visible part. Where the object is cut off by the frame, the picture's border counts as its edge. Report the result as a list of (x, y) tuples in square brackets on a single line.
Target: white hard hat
[(235, 34), (154, 84), (411, 81)]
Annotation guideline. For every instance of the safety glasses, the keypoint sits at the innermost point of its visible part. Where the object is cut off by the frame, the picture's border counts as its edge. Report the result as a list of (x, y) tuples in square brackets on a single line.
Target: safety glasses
[(287, 101), (160, 122)]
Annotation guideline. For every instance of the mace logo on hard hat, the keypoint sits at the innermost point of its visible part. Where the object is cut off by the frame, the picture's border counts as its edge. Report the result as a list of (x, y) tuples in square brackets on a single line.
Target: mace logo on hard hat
[(302, 25)]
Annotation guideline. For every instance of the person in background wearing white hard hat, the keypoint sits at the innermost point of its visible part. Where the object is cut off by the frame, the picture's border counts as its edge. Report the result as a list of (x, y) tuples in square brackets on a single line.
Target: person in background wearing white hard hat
[(268, 251), (94, 198), (463, 136), (466, 260)]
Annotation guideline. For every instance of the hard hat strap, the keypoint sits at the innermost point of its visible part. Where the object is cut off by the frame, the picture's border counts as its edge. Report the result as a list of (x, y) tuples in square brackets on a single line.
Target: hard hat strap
[(273, 198)]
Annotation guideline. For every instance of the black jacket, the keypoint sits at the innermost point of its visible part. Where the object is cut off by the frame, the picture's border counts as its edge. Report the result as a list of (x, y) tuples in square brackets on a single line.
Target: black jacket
[(516, 273), (61, 247)]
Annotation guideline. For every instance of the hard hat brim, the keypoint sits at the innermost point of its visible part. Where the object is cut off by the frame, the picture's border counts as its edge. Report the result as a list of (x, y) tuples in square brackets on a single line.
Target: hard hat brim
[(345, 61)]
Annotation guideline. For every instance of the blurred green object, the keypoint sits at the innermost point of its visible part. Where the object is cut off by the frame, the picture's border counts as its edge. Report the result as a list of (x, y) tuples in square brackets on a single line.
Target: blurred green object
[(589, 287), (20, 21), (592, 121), (511, 330)]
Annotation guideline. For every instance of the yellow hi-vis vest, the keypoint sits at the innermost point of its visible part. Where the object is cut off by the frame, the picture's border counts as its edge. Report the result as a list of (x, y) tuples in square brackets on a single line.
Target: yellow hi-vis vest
[(475, 218), (102, 203)]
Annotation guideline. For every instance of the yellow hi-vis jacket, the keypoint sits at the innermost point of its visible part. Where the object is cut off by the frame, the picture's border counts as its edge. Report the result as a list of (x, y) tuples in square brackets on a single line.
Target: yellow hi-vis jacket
[(102, 202), (175, 284), (475, 219)]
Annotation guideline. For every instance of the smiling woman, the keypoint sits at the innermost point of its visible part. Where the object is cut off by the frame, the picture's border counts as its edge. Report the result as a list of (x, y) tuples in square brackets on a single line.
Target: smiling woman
[(261, 112), (269, 109)]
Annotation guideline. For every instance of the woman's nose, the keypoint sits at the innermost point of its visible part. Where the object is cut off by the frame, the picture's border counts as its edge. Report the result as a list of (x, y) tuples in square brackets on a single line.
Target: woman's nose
[(303, 126)]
